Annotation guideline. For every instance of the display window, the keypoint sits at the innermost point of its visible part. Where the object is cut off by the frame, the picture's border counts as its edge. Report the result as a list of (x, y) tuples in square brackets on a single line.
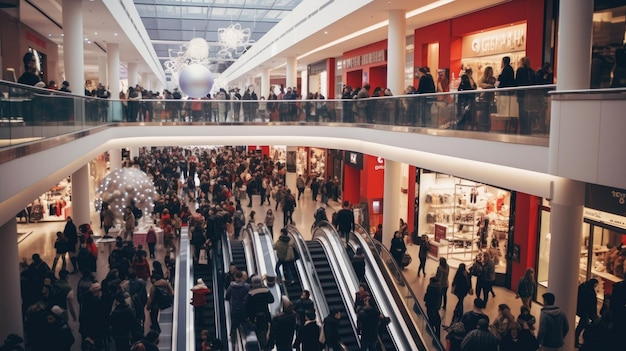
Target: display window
[(601, 253), (54, 205), (278, 153), (463, 218), (317, 161)]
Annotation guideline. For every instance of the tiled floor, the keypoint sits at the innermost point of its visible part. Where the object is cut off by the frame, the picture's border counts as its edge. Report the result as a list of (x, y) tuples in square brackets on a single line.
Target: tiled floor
[(42, 235)]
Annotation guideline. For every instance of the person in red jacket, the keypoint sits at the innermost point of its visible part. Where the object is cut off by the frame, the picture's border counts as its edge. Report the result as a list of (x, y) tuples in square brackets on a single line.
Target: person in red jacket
[(151, 240), (141, 266), (198, 300)]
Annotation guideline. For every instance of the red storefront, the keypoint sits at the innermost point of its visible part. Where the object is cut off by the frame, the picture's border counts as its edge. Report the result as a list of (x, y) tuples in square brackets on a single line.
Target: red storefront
[(445, 45), (367, 64)]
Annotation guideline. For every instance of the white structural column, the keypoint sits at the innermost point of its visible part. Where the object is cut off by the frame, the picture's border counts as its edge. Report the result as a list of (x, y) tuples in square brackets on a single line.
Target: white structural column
[(134, 152), (113, 63), (145, 81), (10, 297), (73, 56), (102, 70), (392, 199), (396, 51), (575, 29), (115, 159), (265, 83), (304, 84), (566, 213), (566, 220), (292, 72), (132, 74), (80, 196)]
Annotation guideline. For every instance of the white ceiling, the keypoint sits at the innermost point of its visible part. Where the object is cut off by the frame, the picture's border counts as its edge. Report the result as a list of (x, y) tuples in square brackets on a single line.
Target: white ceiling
[(102, 27)]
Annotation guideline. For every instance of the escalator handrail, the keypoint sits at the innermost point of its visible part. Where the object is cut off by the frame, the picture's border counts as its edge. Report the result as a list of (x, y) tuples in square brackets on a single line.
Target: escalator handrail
[(325, 232), (219, 290), (309, 268), (249, 249), (404, 335), (182, 312), (396, 280), (265, 268)]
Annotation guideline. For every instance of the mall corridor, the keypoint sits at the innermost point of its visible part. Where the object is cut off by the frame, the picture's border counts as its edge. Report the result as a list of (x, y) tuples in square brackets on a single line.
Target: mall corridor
[(39, 238)]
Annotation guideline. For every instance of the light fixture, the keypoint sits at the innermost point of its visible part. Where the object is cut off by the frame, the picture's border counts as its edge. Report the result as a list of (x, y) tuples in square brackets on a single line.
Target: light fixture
[(234, 40)]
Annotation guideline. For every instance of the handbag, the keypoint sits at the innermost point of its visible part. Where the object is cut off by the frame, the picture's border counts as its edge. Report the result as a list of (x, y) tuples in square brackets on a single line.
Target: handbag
[(204, 257)]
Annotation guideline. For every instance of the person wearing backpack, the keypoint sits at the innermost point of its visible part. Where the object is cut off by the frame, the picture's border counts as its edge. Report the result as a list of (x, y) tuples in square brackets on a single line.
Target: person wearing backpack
[(161, 296)]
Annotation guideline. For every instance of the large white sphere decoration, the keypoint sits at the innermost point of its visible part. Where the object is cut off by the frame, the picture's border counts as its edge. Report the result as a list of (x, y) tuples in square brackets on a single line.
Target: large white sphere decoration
[(119, 187), (196, 81)]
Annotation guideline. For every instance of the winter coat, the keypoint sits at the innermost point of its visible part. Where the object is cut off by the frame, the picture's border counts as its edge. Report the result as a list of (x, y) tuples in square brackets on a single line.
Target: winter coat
[(284, 248), (553, 327)]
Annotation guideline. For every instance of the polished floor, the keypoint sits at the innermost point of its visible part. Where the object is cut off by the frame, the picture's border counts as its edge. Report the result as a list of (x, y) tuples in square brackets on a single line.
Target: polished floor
[(39, 238)]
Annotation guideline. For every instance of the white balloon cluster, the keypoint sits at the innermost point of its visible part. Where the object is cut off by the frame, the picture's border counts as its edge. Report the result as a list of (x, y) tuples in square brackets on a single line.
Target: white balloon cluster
[(119, 187)]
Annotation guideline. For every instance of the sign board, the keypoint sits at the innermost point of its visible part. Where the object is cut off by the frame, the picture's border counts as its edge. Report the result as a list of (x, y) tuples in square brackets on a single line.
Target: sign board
[(440, 232), (494, 42)]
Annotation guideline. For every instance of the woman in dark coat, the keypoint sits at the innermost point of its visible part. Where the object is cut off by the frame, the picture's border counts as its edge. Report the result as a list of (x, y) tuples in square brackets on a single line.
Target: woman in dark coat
[(461, 285), (398, 248)]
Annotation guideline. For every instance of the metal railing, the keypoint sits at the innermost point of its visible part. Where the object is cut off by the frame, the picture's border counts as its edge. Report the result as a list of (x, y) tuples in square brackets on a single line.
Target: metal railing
[(29, 114)]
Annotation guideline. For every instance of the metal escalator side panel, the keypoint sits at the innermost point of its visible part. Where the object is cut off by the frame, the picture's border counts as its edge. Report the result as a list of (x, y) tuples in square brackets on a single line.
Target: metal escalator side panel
[(266, 263), (182, 325), (406, 307)]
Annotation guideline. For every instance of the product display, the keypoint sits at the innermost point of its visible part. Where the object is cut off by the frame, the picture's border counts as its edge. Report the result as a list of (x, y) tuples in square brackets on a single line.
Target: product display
[(464, 217)]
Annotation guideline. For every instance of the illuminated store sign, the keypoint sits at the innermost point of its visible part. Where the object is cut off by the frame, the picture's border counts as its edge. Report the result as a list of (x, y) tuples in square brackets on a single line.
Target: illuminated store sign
[(366, 59), (493, 42)]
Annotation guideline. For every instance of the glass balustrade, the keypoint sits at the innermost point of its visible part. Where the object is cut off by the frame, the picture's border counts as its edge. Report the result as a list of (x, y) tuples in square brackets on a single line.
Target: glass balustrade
[(30, 114)]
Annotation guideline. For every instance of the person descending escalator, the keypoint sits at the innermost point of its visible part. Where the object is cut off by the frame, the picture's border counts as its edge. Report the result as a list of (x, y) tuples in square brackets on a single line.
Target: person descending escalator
[(257, 310)]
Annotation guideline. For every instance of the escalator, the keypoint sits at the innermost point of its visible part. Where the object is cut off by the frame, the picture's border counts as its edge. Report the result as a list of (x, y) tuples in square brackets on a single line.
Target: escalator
[(383, 272), (213, 315), (332, 293), (385, 338)]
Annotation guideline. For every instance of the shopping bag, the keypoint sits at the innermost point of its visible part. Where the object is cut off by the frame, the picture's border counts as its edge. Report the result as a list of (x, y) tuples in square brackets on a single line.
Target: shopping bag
[(204, 257)]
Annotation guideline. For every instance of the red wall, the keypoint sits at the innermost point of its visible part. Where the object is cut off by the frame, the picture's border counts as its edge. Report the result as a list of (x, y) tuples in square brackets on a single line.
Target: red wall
[(351, 184), (411, 199), (372, 185), (525, 234), (449, 33), (376, 77)]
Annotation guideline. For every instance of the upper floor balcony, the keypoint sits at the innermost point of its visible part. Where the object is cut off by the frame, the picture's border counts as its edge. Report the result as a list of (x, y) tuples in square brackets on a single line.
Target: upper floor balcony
[(576, 135)]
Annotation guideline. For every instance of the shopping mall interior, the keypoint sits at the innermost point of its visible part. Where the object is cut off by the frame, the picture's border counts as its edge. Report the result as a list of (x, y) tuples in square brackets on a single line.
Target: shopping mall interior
[(527, 173)]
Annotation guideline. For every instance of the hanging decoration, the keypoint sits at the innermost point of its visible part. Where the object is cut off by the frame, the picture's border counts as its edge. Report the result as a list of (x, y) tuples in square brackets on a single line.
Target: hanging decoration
[(194, 53), (119, 187), (234, 40)]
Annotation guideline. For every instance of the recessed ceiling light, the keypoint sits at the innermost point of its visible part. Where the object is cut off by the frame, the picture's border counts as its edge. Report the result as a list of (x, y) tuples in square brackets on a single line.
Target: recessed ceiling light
[(325, 32), (115, 34), (95, 33), (49, 34), (62, 34)]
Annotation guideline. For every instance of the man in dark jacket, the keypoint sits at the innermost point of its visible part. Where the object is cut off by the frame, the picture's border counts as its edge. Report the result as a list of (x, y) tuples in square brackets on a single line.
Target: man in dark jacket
[(308, 335), (122, 322), (331, 330), (289, 205), (553, 325), (367, 323), (586, 307), (283, 327), (345, 221), (302, 305), (235, 294), (257, 309), (480, 339), (358, 263), (507, 76), (94, 316)]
